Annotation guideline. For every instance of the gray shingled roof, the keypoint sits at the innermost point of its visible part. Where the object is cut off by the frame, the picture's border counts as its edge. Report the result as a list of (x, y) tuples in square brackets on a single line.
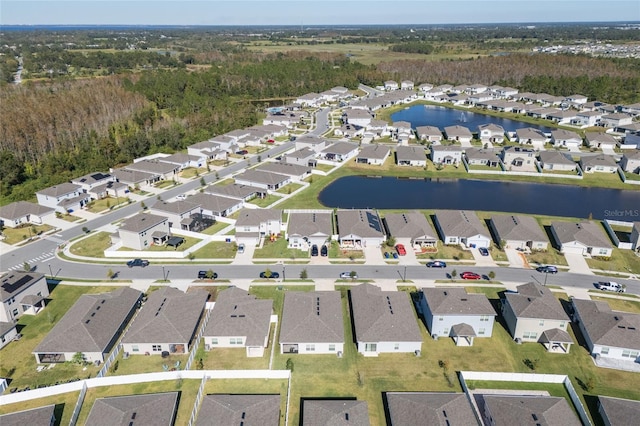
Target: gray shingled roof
[(363, 223), (494, 128), (517, 228), (530, 133), (429, 408), (168, 316), (342, 148), (176, 207), (61, 189), (412, 224), (91, 178), (457, 131), (302, 153), (600, 137), (520, 410), (446, 148), (555, 335), (5, 327), (237, 313), (154, 409), (428, 131), (456, 301), (374, 151), (40, 416), (334, 412), (383, 316), (179, 158), (555, 157), (91, 323), (141, 222), (460, 223), (14, 282), (132, 176), (462, 330), (225, 410), (535, 301), (212, 202), (152, 166), (254, 217), (481, 154), (410, 153), (312, 317), (285, 168), (234, 190), (260, 177), (606, 327), (587, 233), (22, 208), (308, 224), (598, 160), (618, 411), (562, 134)]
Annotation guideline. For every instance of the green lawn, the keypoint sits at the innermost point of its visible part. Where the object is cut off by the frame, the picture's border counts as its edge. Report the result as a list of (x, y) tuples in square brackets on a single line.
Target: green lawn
[(266, 201), (278, 250), (188, 243), (140, 363), (163, 184), (335, 252), (632, 176), (453, 252), (17, 235), (98, 206), (216, 250), (620, 260), (216, 227), (70, 218), (288, 189), (192, 172), (324, 167), (549, 257), (92, 246)]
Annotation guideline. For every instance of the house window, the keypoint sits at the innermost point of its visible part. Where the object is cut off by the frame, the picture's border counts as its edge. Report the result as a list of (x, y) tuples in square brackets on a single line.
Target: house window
[(627, 353), (311, 348), (15, 312), (370, 347), (530, 335), (156, 348), (603, 251), (484, 317), (445, 332), (396, 346), (235, 340), (563, 324), (135, 348), (214, 341), (332, 348), (604, 351), (440, 318), (541, 323), (481, 330)]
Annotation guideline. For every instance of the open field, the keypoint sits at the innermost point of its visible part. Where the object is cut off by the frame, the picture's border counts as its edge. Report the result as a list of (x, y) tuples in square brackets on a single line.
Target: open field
[(17, 235), (92, 246), (216, 250)]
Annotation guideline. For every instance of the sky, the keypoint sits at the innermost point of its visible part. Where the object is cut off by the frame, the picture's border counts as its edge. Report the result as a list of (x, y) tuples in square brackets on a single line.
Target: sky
[(311, 12)]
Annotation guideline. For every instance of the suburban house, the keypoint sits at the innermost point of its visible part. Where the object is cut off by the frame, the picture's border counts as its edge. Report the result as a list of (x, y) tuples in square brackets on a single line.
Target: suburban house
[(518, 232), (312, 323), (216, 205), (64, 198), (429, 408), (309, 100), (314, 143), (461, 227), (339, 151), (239, 320), (109, 189), (561, 116), (357, 117), (254, 224), (23, 213), (411, 228), (348, 131), (208, 149), (458, 133), (185, 161), (411, 156), (145, 409), (305, 229), (630, 163), (334, 412), (8, 333), (429, 133), (608, 333), (91, 327), (402, 132), (261, 179), (587, 118), (514, 409), (166, 171), (616, 119), (175, 211), (446, 154), (600, 163), (600, 140), (144, 229), (391, 85), (533, 314), (22, 293), (556, 160), (235, 409), (452, 312), (531, 136), (376, 129), (617, 411), (44, 416), (491, 133), (91, 180), (482, 157), (566, 139), (406, 85), (375, 154), (585, 238), (359, 228), (134, 178), (167, 322), (301, 157), (294, 171), (235, 190), (520, 159), (384, 321)]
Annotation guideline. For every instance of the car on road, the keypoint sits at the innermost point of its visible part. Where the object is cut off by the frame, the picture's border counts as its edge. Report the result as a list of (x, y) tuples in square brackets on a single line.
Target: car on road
[(324, 251), (242, 152), (273, 275), (240, 248), (401, 250), (348, 275), (548, 269), (203, 274), (483, 251), (181, 197), (436, 264), (138, 262), (610, 286), (314, 250), (470, 276)]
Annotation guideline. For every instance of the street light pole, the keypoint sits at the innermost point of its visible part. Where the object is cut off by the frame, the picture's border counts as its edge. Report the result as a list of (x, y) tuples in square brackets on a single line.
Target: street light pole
[(284, 268), (404, 278), (50, 271)]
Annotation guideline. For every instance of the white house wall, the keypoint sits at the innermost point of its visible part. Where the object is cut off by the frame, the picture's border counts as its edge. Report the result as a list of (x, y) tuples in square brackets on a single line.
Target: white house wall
[(390, 347)]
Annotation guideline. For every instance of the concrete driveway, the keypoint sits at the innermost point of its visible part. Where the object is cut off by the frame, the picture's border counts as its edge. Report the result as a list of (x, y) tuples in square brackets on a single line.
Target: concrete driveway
[(577, 264), (245, 258), (482, 260), (373, 255), (516, 258)]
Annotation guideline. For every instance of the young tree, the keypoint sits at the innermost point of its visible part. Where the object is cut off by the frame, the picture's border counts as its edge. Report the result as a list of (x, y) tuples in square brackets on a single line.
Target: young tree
[(202, 181), (353, 275), (26, 266), (303, 274), (391, 241), (454, 273), (268, 273), (110, 274), (210, 274)]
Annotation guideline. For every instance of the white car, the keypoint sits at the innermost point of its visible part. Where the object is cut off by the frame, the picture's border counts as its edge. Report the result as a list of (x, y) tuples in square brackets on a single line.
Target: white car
[(348, 275), (181, 197), (610, 286), (241, 248)]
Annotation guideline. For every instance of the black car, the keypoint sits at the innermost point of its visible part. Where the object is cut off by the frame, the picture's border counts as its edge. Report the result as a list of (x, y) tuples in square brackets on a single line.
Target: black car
[(137, 262), (324, 251), (436, 264), (242, 152), (203, 274), (274, 275), (314, 250), (547, 269)]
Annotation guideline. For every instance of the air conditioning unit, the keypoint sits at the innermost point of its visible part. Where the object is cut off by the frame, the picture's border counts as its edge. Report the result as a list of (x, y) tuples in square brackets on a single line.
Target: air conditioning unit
[(434, 336), (418, 353), (339, 354), (518, 341), (207, 347)]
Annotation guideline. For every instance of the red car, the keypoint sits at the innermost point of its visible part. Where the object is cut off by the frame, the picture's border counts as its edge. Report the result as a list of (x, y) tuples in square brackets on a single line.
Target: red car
[(271, 141), (470, 276), (400, 249)]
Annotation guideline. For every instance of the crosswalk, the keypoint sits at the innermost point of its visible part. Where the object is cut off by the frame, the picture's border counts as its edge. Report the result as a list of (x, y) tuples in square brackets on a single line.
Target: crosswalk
[(39, 259)]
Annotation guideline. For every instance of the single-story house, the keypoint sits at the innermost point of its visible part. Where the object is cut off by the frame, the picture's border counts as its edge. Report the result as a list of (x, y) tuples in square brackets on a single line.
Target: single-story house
[(411, 156), (534, 314), (216, 205), (384, 321), (608, 333), (334, 411), (359, 228), (312, 323), (491, 133), (134, 178), (461, 227), (482, 157), (618, 411), (23, 212), (630, 162), (42, 416), (167, 322), (412, 228), (239, 320), (8, 333), (91, 327), (537, 410), (22, 293), (406, 85), (586, 238), (235, 190), (357, 117), (519, 158), (305, 229), (561, 116), (175, 211), (210, 150), (236, 409), (166, 171), (452, 312), (531, 136), (339, 151), (429, 408), (314, 143), (91, 180), (601, 140), (146, 409), (65, 197), (309, 99), (294, 171), (458, 133), (265, 180), (391, 85), (301, 157), (373, 154), (144, 229), (600, 163), (616, 119), (429, 133), (185, 160), (254, 224), (518, 232), (556, 160), (446, 154), (109, 189), (565, 138)]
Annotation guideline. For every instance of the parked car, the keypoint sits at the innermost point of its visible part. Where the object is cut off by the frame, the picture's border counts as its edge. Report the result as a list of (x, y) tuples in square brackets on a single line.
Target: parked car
[(395, 255), (242, 152), (610, 286), (203, 274), (271, 141), (547, 269), (483, 251), (470, 276), (314, 250), (436, 264), (274, 275), (324, 251), (386, 255), (181, 197), (401, 250), (241, 248), (348, 275), (138, 262)]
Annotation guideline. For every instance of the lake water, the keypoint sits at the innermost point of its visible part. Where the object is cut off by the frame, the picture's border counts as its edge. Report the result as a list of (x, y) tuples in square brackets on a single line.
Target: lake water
[(468, 194), (441, 117)]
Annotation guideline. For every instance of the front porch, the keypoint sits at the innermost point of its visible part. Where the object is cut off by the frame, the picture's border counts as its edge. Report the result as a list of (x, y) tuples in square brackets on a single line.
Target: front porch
[(556, 341)]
